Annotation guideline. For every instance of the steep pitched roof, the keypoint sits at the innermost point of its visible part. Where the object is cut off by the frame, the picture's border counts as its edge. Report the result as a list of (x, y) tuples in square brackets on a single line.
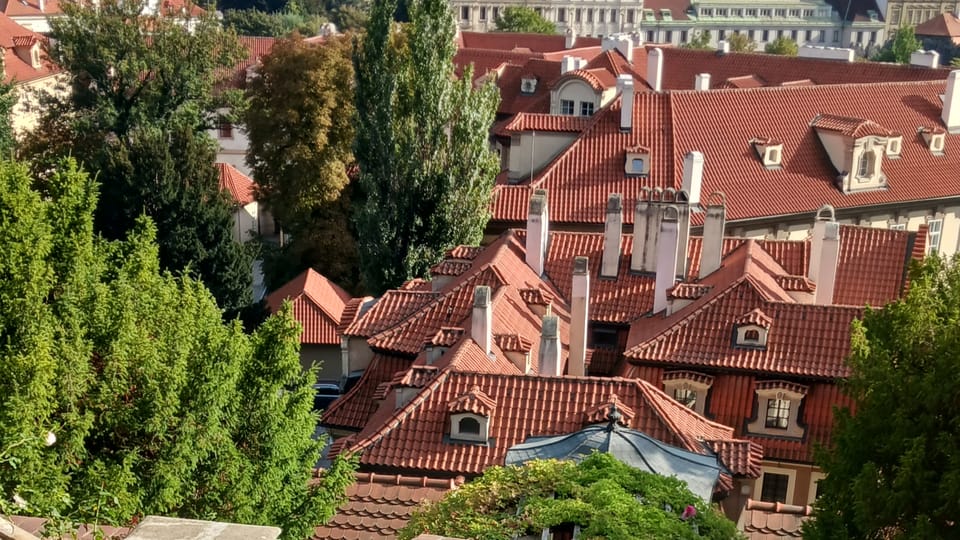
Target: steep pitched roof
[(318, 304), (943, 25), (27, 8), (16, 39), (256, 48), (239, 186)]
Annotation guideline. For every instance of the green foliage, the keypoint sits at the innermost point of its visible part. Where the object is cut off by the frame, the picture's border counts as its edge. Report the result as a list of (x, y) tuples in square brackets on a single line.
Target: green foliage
[(893, 469), (523, 19), (8, 99), (782, 46), (300, 123), (741, 43), (253, 22), (607, 498), (158, 407), (141, 98), (426, 169), (899, 48), (699, 40)]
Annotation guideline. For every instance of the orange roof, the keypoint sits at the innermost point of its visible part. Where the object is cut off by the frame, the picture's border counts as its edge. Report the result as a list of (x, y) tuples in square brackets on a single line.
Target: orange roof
[(943, 25), (544, 122), (379, 505), (318, 304), (240, 187), (770, 521), (850, 127), (16, 39), (256, 47), (508, 41), (27, 8)]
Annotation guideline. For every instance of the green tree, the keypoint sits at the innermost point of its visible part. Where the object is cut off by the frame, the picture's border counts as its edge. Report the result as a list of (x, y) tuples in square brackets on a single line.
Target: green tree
[(741, 43), (8, 99), (523, 19), (122, 391), (140, 85), (899, 48), (893, 468), (300, 122), (426, 169), (607, 498), (253, 22), (782, 46), (700, 40)]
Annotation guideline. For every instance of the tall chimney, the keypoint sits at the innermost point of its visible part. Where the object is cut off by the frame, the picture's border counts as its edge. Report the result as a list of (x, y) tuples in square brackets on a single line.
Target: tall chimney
[(569, 38), (655, 69), (683, 235), (42, 4), (951, 103), (693, 176), (825, 239), (666, 258), (549, 365), (580, 306), (481, 324), (640, 230), (711, 249), (654, 215), (625, 46), (566, 64), (702, 82), (537, 223), (612, 229), (625, 83)]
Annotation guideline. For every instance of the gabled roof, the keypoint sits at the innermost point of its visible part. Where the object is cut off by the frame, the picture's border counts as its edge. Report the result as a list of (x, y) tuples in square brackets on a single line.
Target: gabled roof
[(508, 41), (238, 186), (12, 37), (943, 25), (544, 122), (318, 304), (29, 8), (256, 48), (849, 127), (599, 79)]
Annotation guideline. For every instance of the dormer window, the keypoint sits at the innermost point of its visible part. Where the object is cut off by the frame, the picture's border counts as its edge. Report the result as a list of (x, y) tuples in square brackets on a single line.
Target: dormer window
[(689, 388), (866, 165), (637, 161), (777, 409), (35, 56), (469, 425), (528, 85), (751, 329), (856, 147), (894, 145), (769, 151), (935, 139), (470, 417)]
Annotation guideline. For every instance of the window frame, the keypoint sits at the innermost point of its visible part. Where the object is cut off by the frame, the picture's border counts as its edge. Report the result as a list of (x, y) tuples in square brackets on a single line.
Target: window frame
[(934, 236), (568, 107), (587, 108), (778, 411), (782, 482)]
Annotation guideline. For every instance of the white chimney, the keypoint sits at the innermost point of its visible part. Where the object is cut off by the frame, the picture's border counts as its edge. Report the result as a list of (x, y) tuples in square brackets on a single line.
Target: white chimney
[(481, 324), (579, 63), (579, 313), (640, 230), (683, 237), (43, 5), (566, 64), (654, 215), (612, 229), (693, 176), (929, 59), (569, 38), (827, 53), (711, 249), (824, 254), (625, 84), (537, 223), (723, 46), (625, 46), (549, 365), (666, 258), (655, 69), (702, 82), (951, 103)]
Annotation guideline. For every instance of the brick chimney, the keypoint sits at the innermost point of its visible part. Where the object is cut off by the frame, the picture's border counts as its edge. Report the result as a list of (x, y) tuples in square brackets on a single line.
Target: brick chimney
[(655, 69), (824, 254), (951, 103), (625, 85), (711, 249), (580, 306), (612, 229), (538, 222), (481, 323), (640, 212), (702, 82), (549, 363), (666, 257)]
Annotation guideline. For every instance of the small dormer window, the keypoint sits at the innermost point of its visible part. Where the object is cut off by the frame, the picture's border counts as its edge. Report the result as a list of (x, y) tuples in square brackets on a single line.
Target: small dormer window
[(935, 139), (769, 151), (528, 85), (469, 426), (751, 330), (688, 388), (865, 167), (936, 144), (751, 336), (637, 161), (470, 417), (35, 56), (777, 409), (894, 145)]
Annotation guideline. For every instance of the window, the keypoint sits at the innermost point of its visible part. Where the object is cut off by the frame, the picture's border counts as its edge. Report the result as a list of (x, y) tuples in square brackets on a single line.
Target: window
[(225, 130), (496, 13), (809, 35), (934, 226), (483, 13), (590, 15), (706, 12), (751, 335), (765, 12), (539, 11), (683, 36), (601, 15), (561, 15), (469, 426), (637, 165), (630, 15), (781, 13), (794, 12), (752, 34), (577, 14), (722, 34), (766, 35), (778, 413), (613, 15), (688, 388), (795, 35), (774, 487), (750, 13), (464, 13), (823, 36), (668, 36), (873, 37), (808, 13), (651, 37), (566, 107), (686, 396), (721, 13), (865, 167), (836, 36), (586, 108), (898, 227)]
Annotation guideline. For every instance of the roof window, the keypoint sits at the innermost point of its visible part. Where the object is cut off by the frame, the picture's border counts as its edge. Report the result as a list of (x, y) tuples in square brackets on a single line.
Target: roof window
[(528, 84), (751, 330), (935, 139), (637, 161), (777, 409), (470, 417), (689, 388), (894, 146), (769, 151)]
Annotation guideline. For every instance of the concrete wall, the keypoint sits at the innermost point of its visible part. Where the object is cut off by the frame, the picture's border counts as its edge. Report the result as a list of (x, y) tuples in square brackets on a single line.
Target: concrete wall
[(326, 357), (26, 112), (536, 150), (246, 222)]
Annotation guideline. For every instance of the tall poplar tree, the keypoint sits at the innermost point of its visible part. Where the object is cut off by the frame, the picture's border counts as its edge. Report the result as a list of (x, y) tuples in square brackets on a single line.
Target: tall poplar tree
[(426, 168)]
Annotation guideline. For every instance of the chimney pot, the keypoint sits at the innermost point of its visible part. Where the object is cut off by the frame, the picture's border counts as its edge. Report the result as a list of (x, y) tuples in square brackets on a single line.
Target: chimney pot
[(640, 230), (537, 231), (613, 228), (655, 69), (929, 59), (723, 47), (711, 249), (580, 306), (654, 216), (481, 324), (693, 176), (666, 257), (702, 82), (570, 38)]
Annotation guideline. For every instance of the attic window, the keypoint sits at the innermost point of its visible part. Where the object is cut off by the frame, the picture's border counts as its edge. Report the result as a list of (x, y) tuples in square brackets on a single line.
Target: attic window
[(777, 409), (935, 139), (689, 388), (528, 85), (469, 427), (637, 161), (894, 145), (35, 57), (751, 336), (769, 151)]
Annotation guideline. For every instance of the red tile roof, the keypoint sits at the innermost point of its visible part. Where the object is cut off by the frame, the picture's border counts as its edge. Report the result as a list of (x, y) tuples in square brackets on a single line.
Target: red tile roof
[(239, 186), (256, 47), (850, 127), (512, 100), (318, 304), (353, 409), (943, 25), (545, 122), (379, 505), (772, 521), (13, 37), (508, 41), (28, 8), (598, 79), (391, 308), (36, 525)]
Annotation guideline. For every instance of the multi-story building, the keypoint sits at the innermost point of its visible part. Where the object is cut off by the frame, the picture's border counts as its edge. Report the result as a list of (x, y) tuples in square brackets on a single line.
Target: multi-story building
[(899, 13)]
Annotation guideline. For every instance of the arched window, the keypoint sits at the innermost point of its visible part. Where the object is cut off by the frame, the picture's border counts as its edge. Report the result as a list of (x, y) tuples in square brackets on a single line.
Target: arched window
[(751, 335), (469, 426)]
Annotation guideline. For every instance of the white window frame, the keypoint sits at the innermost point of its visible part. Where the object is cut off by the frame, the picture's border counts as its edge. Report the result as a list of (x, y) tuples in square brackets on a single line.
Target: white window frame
[(571, 103), (812, 490), (759, 425), (934, 236), (457, 435), (791, 482), (702, 389)]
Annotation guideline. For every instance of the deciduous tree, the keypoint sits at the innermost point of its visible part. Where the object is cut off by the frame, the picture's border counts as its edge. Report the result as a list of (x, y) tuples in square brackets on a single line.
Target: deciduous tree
[(523, 19), (899, 48), (700, 40), (741, 43), (782, 46), (8, 99), (122, 391), (893, 468), (426, 169)]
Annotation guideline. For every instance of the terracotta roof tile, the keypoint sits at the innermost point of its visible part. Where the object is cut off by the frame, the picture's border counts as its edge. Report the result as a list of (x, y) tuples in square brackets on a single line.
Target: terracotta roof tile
[(743, 457), (544, 122), (755, 316), (688, 375), (393, 307), (770, 521), (943, 25), (509, 41), (12, 37), (446, 336), (238, 185), (318, 304), (353, 409), (352, 310), (850, 127), (28, 8), (474, 401)]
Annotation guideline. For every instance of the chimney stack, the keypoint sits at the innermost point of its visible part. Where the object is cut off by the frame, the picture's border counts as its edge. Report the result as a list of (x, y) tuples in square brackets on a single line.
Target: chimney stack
[(683, 235), (481, 324), (929, 59), (693, 176), (569, 38), (702, 82), (625, 84), (655, 69), (666, 258), (550, 347), (612, 229), (723, 47), (625, 46), (824, 254), (537, 224), (640, 229), (951, 103), (654, 215), (566, 64), (711, 249), (580, 306), (42, 4)]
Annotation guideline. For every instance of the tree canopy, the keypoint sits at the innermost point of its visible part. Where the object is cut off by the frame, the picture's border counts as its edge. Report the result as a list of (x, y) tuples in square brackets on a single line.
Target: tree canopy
[(606, 498), (783, 46), (122, 391), (899, 48), (253, 22), (523, 19), (741, 43), (426, 168), (142, 94), (893, 469), (8, 99), (699, 40), (300, 122)]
